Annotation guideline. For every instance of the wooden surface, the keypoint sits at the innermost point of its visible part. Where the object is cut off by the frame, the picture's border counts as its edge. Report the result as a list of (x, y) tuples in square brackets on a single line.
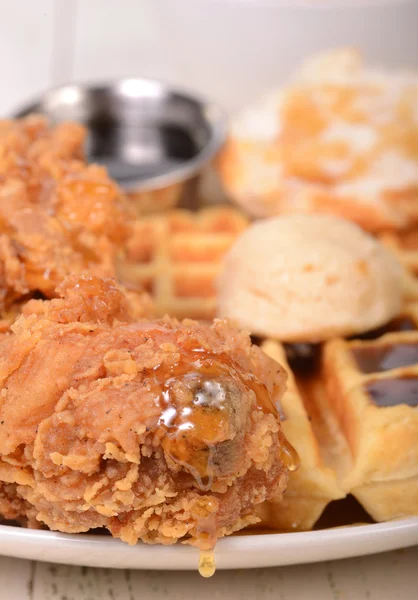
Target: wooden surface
[(390, 576)]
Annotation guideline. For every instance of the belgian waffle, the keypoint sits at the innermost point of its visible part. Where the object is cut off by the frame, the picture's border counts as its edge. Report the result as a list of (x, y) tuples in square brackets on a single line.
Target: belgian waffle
[(176, 256), (405, 246), (372, 390), (339, 139), (153, 201), (314, 484)]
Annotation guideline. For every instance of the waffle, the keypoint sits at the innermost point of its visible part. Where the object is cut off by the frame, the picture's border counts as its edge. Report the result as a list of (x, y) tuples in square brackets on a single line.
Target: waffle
[(405, 247), (314, 484), (372, 390), (176, 256), (339, 139), (153, 201)]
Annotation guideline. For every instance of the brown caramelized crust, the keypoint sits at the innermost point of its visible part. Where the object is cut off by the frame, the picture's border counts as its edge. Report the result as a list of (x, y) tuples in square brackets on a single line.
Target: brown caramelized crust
[(155, 430)]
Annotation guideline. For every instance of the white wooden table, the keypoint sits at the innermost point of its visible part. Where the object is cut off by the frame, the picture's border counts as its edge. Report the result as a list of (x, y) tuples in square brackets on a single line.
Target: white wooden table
[(389, 576)]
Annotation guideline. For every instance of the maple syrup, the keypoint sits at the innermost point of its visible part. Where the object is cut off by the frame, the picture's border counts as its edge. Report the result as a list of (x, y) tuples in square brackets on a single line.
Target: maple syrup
[(392, 392), (288, 456), (206, 536), (207, 565), (376, 359), (304, 359)]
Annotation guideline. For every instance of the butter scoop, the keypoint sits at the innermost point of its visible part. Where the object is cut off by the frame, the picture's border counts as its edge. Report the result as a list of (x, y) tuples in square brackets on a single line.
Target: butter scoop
[(307, 278)]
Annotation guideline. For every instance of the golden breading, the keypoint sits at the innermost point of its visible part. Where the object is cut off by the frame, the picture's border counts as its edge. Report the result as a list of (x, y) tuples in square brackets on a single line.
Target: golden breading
[(176, 256), (58, 215), (155, 430), (314, 484), (372, 389), (341, 138)]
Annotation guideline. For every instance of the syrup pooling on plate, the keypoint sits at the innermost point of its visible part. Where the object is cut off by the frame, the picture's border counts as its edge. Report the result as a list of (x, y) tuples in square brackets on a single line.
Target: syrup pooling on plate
[(392, 392), (375, 359)]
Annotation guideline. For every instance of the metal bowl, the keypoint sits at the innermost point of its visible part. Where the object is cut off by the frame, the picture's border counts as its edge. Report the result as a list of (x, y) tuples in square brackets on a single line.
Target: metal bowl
[(153, 139)]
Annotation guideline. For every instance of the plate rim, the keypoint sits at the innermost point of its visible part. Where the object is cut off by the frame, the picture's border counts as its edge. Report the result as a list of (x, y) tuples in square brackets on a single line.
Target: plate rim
[(232, 552), (341, 531)]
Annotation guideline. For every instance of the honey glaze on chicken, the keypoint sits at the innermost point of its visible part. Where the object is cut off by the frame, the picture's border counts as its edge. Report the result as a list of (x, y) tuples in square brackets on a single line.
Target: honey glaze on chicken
[(160, 431), (200, 397), (199, 394), (58, 215)]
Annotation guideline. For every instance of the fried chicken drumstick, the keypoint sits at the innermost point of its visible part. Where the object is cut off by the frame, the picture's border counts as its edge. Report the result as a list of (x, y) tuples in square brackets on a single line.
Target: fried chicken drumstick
[(159, 431)]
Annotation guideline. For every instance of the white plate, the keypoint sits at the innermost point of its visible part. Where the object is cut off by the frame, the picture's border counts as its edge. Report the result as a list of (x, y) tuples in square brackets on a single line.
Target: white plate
[(237, 552)]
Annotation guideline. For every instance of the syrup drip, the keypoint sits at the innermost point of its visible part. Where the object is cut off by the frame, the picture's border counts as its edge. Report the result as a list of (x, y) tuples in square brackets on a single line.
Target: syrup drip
[(207, 565), (288, 456), (192, 431), (206, 535)]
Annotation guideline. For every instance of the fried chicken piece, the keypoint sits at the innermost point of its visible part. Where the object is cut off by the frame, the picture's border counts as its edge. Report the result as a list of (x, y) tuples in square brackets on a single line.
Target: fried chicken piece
[(159, 431), (58, 215)]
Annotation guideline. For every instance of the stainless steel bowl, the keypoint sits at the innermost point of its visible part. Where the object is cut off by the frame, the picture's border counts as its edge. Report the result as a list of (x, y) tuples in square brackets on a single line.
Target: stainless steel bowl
[(153, 139)]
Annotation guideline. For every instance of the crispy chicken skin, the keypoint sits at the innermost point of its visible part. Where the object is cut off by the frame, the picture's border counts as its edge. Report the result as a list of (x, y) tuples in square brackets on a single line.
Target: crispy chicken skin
[(58, 215), (159, 431)]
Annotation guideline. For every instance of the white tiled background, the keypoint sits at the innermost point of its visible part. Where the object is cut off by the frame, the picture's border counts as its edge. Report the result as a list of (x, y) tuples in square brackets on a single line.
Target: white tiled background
[(231, 50)]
